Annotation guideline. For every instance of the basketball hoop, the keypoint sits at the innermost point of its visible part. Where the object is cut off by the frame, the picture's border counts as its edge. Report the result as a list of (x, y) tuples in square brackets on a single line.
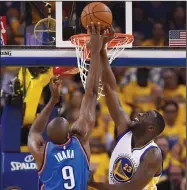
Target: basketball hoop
[(114, 48)]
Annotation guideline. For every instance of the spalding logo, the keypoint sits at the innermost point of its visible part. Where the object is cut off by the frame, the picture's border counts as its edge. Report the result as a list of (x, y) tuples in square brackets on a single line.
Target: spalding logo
[(29, 158), (9, 53), (28, 164)]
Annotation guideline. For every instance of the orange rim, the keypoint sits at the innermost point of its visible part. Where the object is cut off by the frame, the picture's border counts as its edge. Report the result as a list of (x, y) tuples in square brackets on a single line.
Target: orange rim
[(119, 38), (80, 39)]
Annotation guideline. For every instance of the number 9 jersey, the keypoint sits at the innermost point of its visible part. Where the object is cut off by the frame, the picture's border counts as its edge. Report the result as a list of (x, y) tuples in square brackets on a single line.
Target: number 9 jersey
[(64, 166)]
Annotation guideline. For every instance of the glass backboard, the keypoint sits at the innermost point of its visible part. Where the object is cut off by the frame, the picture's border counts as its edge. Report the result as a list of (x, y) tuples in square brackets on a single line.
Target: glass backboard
[(151, 22)]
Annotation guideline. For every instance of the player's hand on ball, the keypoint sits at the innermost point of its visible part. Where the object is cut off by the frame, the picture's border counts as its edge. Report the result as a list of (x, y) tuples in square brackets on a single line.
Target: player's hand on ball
[(96, 39), (55, 88), (108, 36)]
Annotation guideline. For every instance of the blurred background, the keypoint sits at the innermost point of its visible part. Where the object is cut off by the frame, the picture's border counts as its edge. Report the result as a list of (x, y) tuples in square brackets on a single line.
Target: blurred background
[(139, 89)]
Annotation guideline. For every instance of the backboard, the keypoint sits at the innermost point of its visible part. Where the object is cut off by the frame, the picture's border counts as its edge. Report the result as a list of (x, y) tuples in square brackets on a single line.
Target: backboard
[(155, 26)]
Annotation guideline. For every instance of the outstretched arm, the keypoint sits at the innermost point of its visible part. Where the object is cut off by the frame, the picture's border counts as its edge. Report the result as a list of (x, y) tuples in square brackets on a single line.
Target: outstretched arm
[(86, 121), (150, 165), (118, 115), (35, 140)]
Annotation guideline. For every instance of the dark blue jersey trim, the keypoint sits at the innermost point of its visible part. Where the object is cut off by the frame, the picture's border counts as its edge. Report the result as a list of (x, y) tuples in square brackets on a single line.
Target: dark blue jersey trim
[(120, 136)]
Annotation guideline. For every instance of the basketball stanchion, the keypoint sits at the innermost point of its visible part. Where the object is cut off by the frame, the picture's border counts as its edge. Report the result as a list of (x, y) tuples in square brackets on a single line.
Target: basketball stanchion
[(114, 48)]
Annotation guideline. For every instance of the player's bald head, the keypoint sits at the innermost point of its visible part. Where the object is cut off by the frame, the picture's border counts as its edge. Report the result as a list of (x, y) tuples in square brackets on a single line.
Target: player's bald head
[(58, 130)]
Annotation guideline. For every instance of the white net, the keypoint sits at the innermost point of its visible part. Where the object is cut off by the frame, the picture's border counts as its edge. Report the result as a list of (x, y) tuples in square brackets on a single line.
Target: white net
[(114, 48)]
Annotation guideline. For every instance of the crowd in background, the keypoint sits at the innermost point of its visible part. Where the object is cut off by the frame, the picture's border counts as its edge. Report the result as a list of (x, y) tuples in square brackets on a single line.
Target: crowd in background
[(139, 89)]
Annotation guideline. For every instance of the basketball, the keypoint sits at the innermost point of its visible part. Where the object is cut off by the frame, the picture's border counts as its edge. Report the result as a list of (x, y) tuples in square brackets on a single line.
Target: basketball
[(96, 12)]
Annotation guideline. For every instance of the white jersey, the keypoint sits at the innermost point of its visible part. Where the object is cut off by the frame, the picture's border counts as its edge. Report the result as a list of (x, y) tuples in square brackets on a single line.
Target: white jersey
[(125, 161)]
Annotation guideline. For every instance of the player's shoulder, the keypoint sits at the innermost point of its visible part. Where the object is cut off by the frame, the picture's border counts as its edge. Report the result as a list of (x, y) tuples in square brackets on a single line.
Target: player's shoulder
[(76, 141), (152, 154), (75, 138), (125, 135)]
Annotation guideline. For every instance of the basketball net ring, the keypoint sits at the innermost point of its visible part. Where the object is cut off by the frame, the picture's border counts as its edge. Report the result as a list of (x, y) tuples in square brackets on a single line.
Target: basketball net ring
[(114, 48)]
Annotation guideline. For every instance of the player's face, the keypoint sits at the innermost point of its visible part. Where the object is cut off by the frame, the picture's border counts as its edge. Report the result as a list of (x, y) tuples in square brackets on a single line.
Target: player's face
[(142, 120)]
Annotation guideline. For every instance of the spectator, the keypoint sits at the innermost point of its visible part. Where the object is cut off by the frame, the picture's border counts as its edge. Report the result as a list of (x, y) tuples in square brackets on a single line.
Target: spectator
[(183, 154), (140, 22), (173, 130), (98, 133), (99, 161), (163, 143), (174, 179), (153, 9), (183, 184), (179, 150), (172, 89), (178, 21), (182, 75), (13, 16), (158, 36), (157, 97), (139, 92), (176, 153), (138, 38), (13, 31), (156, 76)]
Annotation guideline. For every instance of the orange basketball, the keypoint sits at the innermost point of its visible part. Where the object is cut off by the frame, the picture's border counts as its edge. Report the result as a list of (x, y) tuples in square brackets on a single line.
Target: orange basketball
[(96, 12)]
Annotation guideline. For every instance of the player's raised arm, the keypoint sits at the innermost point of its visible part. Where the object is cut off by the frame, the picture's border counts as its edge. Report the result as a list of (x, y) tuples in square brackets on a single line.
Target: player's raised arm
[(149, 166), (117, 113), (82, 127), (35, 140)]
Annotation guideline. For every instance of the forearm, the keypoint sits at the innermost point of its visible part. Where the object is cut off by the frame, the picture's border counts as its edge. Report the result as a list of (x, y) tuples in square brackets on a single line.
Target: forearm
[(112, 100), (41, 121), (94, 74), (107, 75), (109, 84), (88, 105)]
